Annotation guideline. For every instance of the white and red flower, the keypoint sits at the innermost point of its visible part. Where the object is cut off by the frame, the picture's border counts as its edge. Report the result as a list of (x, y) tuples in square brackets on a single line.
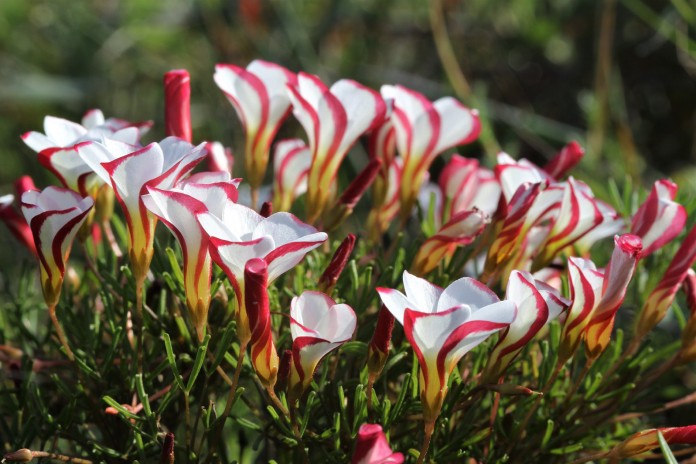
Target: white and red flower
[(61, 133), (54, 216), (238, 234), (537, 304), (659, 219), (423, 130), (460, 230), (465, 185), (178, 209), (385, 191), (258, 95), (333, 120), (318, 326), (159, 165), (291, 164), (596, 297), (443, 325), (617, 276), (661, 298), (372, 447)]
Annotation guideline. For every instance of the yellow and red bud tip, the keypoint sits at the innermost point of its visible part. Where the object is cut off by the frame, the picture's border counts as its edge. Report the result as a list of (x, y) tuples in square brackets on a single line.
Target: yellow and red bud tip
[(167, 456), (333, 271), (360, 184), (177, 104), (647, 440), (266, 209)]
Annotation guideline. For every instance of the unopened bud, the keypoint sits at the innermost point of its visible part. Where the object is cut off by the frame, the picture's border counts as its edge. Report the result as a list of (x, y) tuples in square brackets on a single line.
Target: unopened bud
[(167, 456), (333, 271), (378, 349), (21, 455), (177, 104), (266, 209)]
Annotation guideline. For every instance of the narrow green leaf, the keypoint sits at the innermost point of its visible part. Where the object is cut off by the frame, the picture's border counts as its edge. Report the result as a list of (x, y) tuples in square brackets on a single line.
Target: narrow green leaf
[(172, 361), (198, 363), (140, 390), (121, 410)]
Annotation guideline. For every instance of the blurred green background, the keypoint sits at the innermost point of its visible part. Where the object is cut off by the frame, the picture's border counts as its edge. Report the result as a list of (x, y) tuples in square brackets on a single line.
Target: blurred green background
[(618, 75)]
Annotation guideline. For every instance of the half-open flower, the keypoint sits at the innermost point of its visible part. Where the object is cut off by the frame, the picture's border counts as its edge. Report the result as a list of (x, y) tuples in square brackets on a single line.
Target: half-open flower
[(290, 168), (537, 305), (372, 447), (54, 216), (238, 234), (659, 219), (258, 95), (178, 209), (442, 326), (423, 130), (158, 165), (461, 230), (466, 185), (617, 276), (381, 145), (264, 357), (661, 298), (318, 326), (333, 120)]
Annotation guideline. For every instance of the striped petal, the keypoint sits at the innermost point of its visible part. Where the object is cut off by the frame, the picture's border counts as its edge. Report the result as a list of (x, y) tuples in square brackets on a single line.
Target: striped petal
[(659, 219), (54, 216), (290, 169)]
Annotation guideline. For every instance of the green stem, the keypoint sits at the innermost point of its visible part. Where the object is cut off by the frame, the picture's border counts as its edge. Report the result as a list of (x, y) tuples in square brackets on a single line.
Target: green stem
[(59, 330)]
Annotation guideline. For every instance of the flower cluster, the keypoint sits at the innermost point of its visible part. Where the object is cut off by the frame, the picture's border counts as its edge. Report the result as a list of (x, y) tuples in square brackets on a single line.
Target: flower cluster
[(503, 239)]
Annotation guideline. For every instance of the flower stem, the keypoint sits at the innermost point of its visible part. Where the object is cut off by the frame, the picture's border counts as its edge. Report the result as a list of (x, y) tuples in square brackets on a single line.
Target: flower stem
[(140, 322), (59, 329), (111, 238), (276, 401), (429, 427), (298, 435)]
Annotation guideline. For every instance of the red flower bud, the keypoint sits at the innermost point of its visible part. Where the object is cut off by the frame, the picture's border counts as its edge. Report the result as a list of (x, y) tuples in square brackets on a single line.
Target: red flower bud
[(328, 279), (360, 184), (565, 160), (167, 456), (177, 103), (266, 209), (263, 352)]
